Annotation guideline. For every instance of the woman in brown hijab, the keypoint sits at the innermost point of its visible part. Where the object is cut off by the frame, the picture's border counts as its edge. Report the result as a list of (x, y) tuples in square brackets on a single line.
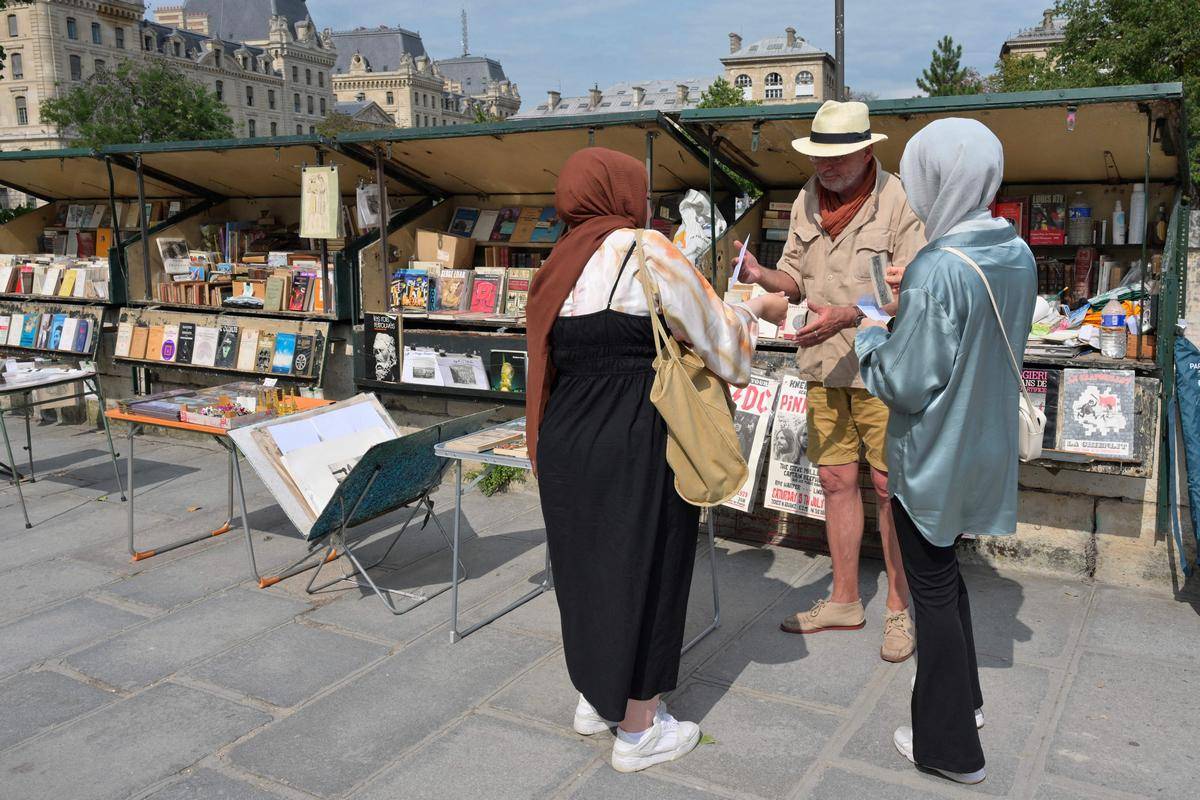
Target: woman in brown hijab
[(621, 540)]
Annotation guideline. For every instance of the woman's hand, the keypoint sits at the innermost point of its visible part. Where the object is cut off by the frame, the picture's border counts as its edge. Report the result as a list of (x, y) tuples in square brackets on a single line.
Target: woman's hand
[(867, 322), (771, 307)]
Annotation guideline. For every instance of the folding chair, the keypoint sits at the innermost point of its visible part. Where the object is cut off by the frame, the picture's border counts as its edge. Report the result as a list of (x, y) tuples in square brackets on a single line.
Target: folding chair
[(401, 473)]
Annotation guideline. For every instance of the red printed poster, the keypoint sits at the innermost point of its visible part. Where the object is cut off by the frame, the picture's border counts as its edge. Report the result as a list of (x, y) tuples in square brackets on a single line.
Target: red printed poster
[(753, 406), (792, 482)]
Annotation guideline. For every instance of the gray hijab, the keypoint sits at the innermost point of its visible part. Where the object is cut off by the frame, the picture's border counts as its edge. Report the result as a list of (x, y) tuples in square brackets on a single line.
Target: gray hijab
[(951, 170)]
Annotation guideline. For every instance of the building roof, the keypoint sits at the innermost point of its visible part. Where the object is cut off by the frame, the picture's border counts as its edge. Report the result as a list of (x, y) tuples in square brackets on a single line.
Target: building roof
[(381, 47), (775, 47), (364, 110), (473, 73), (193, 42), (1051, 31), (246, 20), (661, 95)]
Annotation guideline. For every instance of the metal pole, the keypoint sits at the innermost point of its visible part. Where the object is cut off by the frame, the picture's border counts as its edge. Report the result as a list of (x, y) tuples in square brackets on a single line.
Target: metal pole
[(384, 214), (1145, 236), (839, 46), (116, 223), (326, 287), (712, 211), (143, 225), (649, 176)]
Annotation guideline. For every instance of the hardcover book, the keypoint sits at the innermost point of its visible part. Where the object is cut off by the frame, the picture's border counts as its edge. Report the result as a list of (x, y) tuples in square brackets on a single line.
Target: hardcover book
[(302, 360), (285, 353), (1047, 219), (382, 347), (204, 354), (247, 349), (187, 343), (138, 340), (227, 342), (170, 342)]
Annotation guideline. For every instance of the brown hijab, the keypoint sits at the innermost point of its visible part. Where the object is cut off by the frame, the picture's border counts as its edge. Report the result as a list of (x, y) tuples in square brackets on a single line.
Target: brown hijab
[(598, 191)]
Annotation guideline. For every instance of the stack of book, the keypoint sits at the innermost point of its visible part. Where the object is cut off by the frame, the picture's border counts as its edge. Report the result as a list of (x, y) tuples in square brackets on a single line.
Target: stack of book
[(229, 346), (49, 331), (274, 281), (775, 223), (54, 276), (487, 294)]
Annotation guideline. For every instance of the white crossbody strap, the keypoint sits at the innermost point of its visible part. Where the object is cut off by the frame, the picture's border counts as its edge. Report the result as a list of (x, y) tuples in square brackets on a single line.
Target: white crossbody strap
[(999, 320)]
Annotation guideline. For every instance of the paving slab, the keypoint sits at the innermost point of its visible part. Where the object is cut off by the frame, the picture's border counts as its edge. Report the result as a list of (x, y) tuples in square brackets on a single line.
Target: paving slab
[(288, 665), (1025, 618), (1013, 697), (129, 746), (763, 747), (838, 784), (31, 702), (483, 757), (170, 642), (605, 783), (28, 588), (53, 631), (207, 784), (338, 740), (545, 693), (1050, 791), (1128, 724), (1136, 624)]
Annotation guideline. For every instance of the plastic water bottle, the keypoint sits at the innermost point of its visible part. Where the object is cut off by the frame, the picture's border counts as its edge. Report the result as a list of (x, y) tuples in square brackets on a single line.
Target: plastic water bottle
[(1113, 333), (1079, 221)]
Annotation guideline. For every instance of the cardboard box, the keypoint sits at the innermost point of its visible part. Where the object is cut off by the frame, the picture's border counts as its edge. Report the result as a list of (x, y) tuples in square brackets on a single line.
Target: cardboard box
[(456, 252)]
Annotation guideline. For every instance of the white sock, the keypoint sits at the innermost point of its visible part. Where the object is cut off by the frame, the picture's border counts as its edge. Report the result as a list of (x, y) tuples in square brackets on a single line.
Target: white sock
[(630, 738)]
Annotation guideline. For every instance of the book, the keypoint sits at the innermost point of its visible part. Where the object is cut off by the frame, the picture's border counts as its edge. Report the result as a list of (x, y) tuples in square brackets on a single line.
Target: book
[(302, 359), (85, 244), (265, 352), (549, 227), (485, 440), (518, 448), (154, 343), (382, 347), (1047, 219), (6, 278), (67, 287), (408, 291), (76, 216), (15, 326), (124, 338), (516, 294), (29, 330), (138, 340), (1042, 387), (298, 297), (1016, 211), (463, 223), (95, 216), (82, 283), (247, 349), (204, 352), (84, 334), (420, 366), (1097, 412), (227, 341), (25, 280), (527, 221), (506, 221), (53, 338), (285, 353), (5, 320), (487, 290), (792, 481), (485, 224), (273, 300), (463, 372), (104, 241), (174, 254), (454, 289), (51, 280), (753, 406), (508, 370), (170, 342), (187, 343), (66, 334)]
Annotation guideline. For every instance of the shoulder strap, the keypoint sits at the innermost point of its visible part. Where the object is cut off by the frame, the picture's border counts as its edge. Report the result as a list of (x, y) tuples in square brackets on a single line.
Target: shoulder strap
[(620, 272), (643, 273), (999, 320)]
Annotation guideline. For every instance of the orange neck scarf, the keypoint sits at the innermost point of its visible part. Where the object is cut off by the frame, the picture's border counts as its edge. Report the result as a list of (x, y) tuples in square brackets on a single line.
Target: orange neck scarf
[(836, 214)]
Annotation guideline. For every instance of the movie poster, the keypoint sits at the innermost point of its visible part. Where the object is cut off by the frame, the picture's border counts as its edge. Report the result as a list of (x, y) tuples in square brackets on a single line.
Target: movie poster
[(752, 410), (1097, 412), (792, 482)]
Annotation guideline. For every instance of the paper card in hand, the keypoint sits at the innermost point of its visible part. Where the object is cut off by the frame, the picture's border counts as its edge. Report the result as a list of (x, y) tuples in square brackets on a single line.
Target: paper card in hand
[(883, 292)]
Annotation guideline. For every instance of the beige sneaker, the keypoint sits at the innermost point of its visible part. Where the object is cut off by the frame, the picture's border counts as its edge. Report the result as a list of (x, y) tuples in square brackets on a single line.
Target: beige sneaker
[(826, 616), (897, 637)]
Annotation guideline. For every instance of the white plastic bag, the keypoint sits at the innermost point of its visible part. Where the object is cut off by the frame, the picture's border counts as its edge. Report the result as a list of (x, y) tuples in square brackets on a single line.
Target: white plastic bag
[(694, 237)]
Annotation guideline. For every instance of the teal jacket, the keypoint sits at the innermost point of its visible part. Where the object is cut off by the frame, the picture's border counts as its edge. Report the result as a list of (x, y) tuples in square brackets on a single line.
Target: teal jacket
[(945, 376)]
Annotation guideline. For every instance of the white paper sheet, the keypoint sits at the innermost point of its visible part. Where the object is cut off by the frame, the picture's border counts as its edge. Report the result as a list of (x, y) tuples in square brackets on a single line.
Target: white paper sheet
[(291, 436)]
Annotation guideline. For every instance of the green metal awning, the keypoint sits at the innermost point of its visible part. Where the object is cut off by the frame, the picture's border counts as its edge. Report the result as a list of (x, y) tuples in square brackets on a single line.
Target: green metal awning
[(75, 174)]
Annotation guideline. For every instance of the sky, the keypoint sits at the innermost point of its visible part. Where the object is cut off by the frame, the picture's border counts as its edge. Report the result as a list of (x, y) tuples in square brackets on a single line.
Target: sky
[(568, 45)]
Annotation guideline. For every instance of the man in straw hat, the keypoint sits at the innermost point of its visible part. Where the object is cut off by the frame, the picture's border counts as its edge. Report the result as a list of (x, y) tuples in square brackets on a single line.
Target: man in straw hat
[(850, 212)]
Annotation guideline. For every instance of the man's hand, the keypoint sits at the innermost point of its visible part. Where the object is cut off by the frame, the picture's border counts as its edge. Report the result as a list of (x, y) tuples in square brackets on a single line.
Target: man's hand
[(829, 320), (752, 271)]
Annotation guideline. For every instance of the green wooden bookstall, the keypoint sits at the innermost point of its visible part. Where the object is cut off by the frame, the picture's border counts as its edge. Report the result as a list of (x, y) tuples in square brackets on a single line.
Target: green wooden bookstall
[(493, 166), (1095, 141)]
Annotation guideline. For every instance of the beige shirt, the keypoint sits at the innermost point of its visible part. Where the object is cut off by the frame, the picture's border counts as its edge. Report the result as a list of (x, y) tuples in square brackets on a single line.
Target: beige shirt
[(838, 273)]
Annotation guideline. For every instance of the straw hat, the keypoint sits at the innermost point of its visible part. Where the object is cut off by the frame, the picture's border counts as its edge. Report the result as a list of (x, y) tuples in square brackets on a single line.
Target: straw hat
[(838, 129)]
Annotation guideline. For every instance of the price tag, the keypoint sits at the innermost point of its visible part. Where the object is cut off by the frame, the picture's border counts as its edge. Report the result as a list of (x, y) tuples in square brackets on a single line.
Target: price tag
[(269, 382)]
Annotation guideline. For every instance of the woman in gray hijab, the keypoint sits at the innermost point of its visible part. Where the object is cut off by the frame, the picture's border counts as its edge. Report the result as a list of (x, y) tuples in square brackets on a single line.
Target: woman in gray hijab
[(943, 370)]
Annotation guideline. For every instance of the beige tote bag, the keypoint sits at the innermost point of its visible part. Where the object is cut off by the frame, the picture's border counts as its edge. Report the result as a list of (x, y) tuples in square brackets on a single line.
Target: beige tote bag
[(702, 447)]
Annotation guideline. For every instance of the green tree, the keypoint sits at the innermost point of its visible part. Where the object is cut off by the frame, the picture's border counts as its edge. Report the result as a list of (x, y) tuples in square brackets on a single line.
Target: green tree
[(1113, 42), (946, 75), (338, 122), (483, 116), (723, 94), (138, 101)]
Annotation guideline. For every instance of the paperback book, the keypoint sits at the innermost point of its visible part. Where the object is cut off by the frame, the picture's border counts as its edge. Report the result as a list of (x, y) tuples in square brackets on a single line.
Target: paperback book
[(382, 347)]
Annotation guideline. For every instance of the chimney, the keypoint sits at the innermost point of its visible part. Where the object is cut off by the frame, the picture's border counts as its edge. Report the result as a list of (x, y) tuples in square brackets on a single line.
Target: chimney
[(1048, 19), (681, 93), (553, 98), (735, 42), (639, 95), (791, 36), (595, 96)]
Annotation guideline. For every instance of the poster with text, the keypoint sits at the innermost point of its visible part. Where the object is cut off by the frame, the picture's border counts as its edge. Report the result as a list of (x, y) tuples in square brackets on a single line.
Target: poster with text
[(752, 408), (792, 482), (1097, 412)]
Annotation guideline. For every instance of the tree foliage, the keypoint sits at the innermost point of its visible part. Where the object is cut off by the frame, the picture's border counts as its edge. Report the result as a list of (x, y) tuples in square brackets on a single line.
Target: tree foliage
[(723, 94), (483, 116), (137, 101), (1113, 42), (946, 75), (338, 122)]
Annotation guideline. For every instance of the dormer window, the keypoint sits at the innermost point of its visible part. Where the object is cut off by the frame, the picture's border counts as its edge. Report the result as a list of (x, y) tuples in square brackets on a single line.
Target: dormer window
[(177, 49)]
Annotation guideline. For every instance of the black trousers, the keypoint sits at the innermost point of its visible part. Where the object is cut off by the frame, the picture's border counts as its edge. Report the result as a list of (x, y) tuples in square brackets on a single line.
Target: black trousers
[(947, 691)]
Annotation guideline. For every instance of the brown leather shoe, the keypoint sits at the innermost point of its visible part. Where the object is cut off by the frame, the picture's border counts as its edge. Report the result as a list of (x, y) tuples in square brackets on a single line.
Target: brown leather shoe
[(826, 616), (898, 640)]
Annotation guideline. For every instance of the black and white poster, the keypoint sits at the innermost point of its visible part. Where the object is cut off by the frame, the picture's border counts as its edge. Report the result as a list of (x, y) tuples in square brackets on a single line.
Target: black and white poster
[(753, 406), (792, 481), (1098, 413)]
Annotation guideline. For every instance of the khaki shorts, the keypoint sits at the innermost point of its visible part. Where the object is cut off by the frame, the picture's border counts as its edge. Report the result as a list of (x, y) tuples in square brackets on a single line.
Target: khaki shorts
[(841, 422)]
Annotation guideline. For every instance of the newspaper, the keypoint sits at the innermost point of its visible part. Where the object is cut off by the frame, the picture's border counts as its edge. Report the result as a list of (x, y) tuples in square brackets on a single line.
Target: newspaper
[(792, 481), (753, 406)]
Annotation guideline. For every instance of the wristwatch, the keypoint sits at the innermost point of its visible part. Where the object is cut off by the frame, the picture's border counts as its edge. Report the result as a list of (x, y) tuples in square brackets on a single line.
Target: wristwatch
[(859, 317)]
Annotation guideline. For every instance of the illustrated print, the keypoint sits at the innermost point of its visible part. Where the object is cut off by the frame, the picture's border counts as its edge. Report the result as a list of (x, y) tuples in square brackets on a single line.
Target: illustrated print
[(1099, 412)]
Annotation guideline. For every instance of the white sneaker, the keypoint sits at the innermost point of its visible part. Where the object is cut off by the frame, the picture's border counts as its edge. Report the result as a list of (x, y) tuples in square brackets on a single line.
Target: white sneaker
[(978, 712), (588, 720), (903, 739), (666, 740)]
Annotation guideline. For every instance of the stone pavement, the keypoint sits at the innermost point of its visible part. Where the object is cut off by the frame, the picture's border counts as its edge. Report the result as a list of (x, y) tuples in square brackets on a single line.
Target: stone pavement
[(177, 678)]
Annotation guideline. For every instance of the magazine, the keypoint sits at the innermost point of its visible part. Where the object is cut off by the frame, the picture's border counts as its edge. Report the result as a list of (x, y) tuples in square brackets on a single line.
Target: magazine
[(792, 481), (753, 406)]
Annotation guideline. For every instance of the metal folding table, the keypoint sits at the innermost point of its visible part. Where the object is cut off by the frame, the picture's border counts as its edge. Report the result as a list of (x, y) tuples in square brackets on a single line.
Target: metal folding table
[(490, 461), (91, 385)]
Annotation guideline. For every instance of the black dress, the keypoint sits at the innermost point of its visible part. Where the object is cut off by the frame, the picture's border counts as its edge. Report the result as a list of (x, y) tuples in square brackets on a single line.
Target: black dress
[(622, 542)]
